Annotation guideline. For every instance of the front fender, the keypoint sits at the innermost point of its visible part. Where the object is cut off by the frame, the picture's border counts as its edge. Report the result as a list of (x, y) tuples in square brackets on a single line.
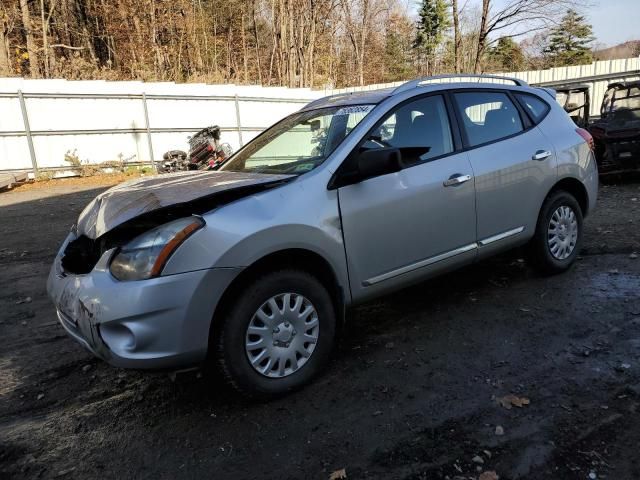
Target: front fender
[(294, 216)]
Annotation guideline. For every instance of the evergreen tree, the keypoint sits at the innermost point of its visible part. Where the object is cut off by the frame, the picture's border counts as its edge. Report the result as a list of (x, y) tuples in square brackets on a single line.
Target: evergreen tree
[(433, 22), (569, 41), (507, 55)]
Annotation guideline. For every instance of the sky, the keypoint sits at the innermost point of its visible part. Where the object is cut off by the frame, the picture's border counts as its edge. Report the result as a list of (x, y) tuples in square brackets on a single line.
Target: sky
[(615, 21)]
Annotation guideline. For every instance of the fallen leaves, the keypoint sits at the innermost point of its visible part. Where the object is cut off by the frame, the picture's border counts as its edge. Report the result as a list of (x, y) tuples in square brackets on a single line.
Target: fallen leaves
[(511, 400), (338, 475)]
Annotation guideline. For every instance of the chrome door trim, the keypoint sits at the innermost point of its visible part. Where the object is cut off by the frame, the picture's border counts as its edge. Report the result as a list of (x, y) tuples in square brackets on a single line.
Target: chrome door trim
[(500, 236), (420, 264)]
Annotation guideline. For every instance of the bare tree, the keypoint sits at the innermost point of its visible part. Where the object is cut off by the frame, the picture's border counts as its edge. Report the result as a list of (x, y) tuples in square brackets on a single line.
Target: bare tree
[(359, 18), (32, 50), (277, 42), (45, 20), (533, 14), (5, 65), (457, 39), (257, 41)]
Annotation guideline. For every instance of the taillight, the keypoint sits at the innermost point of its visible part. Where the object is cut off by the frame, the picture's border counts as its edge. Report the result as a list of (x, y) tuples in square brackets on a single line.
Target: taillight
[(587, 137)]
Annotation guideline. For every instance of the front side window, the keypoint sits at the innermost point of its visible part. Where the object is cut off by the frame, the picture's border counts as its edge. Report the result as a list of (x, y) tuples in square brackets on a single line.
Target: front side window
[(300, 142), (487, 116), (420, 129)]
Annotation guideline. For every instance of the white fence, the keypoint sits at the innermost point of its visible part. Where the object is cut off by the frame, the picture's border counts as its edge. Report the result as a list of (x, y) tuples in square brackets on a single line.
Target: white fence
[(40, 120)]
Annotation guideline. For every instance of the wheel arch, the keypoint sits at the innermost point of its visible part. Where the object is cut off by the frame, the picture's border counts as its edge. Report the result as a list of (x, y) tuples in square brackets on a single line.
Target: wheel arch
[(296, 258), (576, 188)]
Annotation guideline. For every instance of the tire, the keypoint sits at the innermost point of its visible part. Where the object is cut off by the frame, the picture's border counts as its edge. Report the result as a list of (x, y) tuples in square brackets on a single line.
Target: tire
[(552, 253), (233, 355)]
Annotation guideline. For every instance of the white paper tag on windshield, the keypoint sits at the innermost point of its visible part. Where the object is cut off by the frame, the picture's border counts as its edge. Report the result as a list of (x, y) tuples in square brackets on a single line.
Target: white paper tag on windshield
[(355, 109)]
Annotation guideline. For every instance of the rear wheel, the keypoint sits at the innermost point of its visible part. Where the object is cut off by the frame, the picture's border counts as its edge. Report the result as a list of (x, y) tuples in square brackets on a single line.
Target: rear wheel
[(558, 237), (278, 334)]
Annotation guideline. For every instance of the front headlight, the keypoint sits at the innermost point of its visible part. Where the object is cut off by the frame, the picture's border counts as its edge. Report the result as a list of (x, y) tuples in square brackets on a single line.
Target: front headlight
[(146, 255)]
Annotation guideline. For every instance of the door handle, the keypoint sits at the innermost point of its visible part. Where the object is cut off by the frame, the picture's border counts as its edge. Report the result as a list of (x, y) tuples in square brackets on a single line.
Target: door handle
[(541, 155), (456, 179)]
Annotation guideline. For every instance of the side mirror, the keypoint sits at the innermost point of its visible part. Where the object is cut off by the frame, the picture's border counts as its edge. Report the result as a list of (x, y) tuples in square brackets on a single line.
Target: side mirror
[(379, 161)]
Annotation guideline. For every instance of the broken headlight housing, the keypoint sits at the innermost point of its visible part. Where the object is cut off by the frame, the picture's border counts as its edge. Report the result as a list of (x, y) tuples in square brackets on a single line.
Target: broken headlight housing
[(146, 255)]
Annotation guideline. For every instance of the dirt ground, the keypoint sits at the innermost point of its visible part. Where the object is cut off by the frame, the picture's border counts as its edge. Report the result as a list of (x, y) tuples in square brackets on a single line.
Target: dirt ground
[(413, 392)]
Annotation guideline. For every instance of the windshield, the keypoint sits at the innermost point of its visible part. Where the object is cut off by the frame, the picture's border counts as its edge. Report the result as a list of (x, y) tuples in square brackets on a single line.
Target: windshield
[(300, 142)]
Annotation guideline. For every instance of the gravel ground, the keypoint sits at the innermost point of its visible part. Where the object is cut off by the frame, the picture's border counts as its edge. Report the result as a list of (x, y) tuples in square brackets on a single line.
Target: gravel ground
[(418, 389)]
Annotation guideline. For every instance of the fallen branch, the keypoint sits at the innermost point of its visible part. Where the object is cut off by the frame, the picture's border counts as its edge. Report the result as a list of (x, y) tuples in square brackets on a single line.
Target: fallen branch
[(62, 45)]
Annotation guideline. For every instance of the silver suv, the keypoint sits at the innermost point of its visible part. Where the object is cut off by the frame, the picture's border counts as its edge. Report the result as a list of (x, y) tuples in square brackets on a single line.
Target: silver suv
[(352, 197)]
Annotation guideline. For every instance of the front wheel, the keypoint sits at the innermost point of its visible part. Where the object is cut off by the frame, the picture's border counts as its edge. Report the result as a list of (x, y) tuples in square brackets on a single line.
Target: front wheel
[(278, 334), (558, 235)]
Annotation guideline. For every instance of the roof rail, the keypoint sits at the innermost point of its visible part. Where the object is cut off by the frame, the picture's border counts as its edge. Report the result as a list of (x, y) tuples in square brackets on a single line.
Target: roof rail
[(420, 81)]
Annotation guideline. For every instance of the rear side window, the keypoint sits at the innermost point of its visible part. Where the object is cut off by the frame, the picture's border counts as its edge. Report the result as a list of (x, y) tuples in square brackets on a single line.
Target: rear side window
[(538, 108), (487, 116)]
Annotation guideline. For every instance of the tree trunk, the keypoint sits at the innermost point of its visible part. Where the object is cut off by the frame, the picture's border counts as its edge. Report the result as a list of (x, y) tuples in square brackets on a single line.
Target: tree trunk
[(291, 52), (363, 40), (482, 39), (357, 42), (255, 34), (310, 69), (195, 49), (34, 65), (300, 56), (45, 39), (245, 52), (457, 40), (215, 46), (283, 43), (230, 68), (5, 66), (203, 23)]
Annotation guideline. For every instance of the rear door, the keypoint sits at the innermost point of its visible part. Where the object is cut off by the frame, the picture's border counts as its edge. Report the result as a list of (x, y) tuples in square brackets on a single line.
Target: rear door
[(514, 163), (400, 227)]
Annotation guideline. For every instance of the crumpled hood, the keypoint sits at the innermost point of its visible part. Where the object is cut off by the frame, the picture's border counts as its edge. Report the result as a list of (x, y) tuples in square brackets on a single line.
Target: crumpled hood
[(132, 199)]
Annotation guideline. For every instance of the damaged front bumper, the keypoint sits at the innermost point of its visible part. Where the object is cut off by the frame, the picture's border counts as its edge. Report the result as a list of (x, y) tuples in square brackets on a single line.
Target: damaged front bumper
[(162, 322)]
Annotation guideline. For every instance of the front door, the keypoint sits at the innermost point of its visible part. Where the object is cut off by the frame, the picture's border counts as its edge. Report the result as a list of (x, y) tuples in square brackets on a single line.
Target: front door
[(400, 227)]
